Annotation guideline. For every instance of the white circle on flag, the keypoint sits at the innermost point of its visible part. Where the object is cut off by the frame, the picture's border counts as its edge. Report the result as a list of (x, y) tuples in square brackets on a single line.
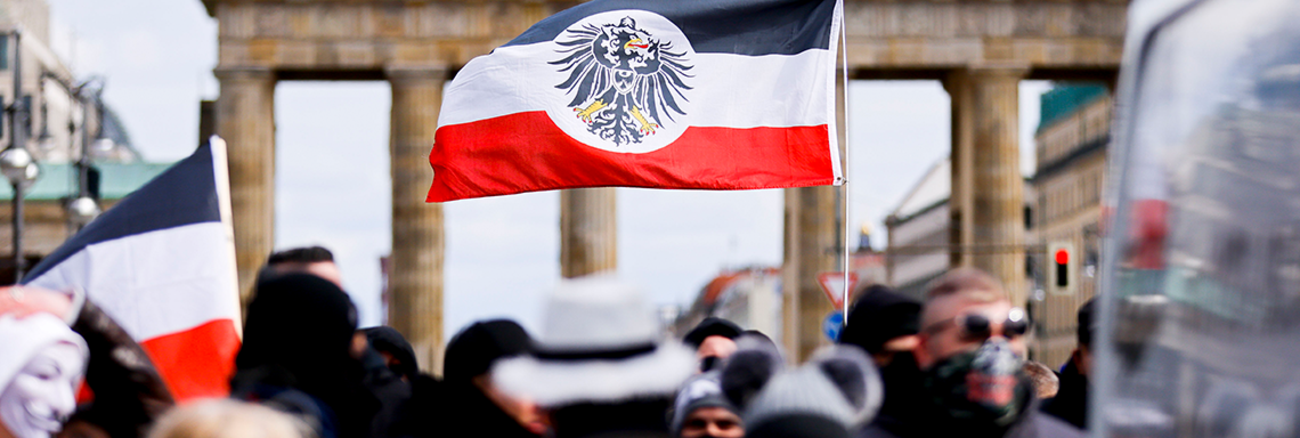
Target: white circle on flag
[(622, 81)]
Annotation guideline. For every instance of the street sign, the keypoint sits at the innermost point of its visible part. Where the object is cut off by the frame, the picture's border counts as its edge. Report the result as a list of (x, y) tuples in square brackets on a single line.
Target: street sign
[(833, 284), (833, 325)]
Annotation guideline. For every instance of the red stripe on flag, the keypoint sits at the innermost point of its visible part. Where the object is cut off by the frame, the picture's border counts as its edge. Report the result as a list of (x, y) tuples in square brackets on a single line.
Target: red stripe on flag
[(526, 152), (198, 362)]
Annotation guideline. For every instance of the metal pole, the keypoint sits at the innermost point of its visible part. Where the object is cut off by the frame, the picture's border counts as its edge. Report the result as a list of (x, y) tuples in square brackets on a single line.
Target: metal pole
[(20, 262), (18, 140)]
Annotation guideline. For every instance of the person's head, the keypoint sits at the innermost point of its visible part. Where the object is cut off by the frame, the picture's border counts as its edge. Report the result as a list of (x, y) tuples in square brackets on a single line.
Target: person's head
[(713, 340), (1082, 356), (1045, 381), (701, 410), (394, 348), (964, 309), (41, 364), (469, 359), (304, 325), (837, 392), (883, 323), (600, 362), (313, 260), (971, 351), (225, 418)]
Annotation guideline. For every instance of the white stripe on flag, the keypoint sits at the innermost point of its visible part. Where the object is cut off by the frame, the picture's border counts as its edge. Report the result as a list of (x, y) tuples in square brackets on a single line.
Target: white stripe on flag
[(155, 283), (733, 91)]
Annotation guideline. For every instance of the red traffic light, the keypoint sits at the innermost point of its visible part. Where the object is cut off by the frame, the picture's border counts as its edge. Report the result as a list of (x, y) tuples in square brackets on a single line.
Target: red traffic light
[(1062, 257)]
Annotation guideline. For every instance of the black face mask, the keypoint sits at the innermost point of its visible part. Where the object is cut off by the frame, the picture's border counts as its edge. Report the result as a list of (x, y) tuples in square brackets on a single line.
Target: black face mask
[(902, 379), (986, 386), (709, 363)]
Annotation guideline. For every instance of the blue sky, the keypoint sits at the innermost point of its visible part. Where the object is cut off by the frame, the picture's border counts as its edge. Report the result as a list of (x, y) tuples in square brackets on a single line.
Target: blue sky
[(332, 185)]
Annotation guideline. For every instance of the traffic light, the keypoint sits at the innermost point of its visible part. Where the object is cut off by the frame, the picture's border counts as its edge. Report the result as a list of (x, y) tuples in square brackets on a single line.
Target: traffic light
[(1060, 271)]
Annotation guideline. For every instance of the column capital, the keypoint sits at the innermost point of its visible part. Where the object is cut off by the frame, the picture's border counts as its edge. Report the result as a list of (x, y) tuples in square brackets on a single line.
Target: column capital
[(1016, 70), (422, 72), (244, 73)]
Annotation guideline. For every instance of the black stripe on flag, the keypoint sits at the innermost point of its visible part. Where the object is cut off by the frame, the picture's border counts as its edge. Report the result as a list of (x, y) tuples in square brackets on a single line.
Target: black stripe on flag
[(184, 194), (743, 27)]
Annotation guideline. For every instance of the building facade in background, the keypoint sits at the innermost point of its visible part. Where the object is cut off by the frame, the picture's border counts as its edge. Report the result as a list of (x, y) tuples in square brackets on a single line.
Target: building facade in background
[(1062, 205), (1071, 143), (920, 234), (67, 121)]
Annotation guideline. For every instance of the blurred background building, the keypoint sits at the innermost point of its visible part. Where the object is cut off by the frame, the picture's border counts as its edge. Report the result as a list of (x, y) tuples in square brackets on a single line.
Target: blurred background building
[(1062, 205), (68, 121), (920, 231), (1071, 143)]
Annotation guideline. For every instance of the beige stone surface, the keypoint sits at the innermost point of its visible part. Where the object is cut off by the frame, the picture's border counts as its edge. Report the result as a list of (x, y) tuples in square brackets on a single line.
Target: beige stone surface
[(588, 231), (357, 34), (986, 174), (415, 284), (246, 119)]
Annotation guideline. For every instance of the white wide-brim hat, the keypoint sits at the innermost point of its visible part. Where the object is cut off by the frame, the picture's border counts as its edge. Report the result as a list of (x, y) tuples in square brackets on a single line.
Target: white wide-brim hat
[(600, 343)]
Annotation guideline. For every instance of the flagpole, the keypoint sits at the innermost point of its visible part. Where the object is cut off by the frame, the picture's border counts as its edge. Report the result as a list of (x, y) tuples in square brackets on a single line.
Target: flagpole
[(844, 51)]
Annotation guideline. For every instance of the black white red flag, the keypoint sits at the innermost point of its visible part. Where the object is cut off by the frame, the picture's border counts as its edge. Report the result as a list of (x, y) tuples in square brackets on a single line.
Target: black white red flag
[(699, 94), (162, 264)]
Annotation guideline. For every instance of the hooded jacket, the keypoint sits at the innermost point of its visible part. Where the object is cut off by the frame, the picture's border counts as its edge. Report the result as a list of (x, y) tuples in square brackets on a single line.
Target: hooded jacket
[(299, 329)]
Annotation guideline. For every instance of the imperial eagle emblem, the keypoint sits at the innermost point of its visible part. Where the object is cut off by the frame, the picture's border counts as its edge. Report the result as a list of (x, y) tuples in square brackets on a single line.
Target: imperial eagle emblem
[(625, 83)]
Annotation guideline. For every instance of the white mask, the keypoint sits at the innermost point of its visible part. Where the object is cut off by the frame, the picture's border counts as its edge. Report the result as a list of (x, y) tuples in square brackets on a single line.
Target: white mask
[(40, 396)]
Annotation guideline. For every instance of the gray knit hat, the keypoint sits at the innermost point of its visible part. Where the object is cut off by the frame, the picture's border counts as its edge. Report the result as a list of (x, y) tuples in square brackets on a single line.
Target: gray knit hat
[(702, 391), (836, 392)]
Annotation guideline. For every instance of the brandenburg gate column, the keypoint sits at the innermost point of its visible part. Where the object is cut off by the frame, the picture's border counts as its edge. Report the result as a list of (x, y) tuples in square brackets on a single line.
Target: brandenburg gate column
[(246, 120), (415, 283), (987, 185), (588, 231)]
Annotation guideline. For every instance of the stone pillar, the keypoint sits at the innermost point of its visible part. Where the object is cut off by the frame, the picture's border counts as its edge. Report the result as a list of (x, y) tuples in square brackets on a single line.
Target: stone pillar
[(588, 231), (813, 246), (960, 237), (246, 120), (986, 144), (415, 282)]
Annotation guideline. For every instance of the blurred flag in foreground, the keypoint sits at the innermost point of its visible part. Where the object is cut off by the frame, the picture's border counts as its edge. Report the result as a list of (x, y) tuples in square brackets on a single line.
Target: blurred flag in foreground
[(700, 94), (162, 264)]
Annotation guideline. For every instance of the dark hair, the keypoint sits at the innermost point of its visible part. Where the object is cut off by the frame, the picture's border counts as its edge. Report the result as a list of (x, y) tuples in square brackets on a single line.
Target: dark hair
[(310, 254), (1084, 329)]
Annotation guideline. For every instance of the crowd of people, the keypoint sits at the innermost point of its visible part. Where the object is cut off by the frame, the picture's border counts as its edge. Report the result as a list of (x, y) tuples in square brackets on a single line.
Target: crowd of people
[(953, 365)]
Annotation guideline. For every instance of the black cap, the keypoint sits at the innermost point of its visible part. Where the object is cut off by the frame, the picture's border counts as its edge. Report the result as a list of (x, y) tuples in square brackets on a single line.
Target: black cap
[(879, 315), (472, 351), (711, 326)]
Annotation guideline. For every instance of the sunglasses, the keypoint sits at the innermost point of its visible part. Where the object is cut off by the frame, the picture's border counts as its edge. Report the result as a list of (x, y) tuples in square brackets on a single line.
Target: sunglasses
[(975, 326)]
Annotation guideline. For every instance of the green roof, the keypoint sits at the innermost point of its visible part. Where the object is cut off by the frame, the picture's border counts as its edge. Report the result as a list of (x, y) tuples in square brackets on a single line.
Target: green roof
[(58, 181), (1063, 100)]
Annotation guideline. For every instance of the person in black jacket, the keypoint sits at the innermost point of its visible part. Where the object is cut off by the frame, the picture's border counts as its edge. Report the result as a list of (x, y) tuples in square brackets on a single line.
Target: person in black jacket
[(466, 403), (970, 351), (297, 352), (1071, 401)]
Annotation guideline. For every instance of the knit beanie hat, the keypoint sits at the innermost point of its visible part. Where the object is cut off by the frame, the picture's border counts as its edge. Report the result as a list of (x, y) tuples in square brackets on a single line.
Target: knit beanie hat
[(803, 397), (878, 316), (838, 391), (702, 391)]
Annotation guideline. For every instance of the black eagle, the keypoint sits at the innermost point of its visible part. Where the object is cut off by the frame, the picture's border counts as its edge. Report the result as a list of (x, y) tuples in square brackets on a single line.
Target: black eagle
[(624, 81)]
